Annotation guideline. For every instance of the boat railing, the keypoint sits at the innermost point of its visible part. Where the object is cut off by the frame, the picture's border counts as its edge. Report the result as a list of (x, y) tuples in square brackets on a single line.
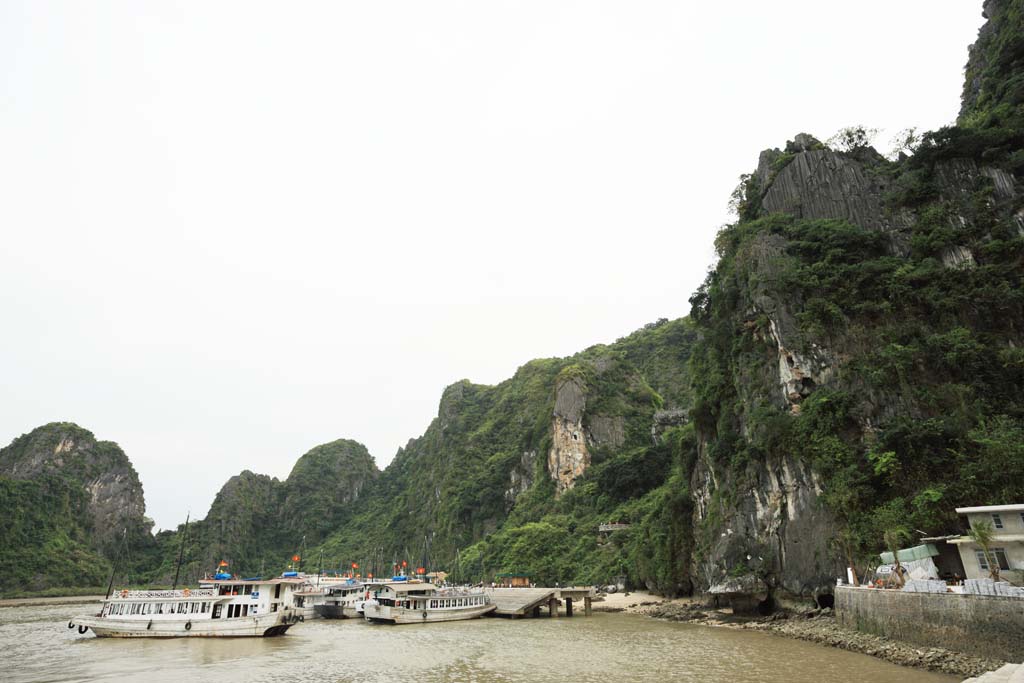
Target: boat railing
[(459, 593), (165, 594)]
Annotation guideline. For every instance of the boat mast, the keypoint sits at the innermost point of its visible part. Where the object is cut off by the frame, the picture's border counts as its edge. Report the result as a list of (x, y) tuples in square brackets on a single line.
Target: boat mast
[(181, 552), (113, 570)]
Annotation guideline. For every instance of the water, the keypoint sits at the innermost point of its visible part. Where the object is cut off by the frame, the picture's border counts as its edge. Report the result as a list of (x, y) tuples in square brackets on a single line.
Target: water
[(604, 648)]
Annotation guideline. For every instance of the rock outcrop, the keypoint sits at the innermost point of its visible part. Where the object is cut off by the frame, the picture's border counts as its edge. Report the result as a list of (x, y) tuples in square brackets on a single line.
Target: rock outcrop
[(569, 457), (66, 451)]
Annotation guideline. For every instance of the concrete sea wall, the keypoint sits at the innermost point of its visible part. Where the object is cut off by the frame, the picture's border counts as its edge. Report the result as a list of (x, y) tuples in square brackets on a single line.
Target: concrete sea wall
[(981, 625)]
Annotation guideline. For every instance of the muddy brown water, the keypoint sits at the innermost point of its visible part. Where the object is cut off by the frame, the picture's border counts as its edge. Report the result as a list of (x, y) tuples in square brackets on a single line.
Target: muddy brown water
[(605, 648)]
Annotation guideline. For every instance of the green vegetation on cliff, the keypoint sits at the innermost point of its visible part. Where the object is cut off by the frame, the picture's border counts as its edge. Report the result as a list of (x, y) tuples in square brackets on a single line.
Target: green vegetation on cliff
[(69, 503), (882, 347), (475, 493)]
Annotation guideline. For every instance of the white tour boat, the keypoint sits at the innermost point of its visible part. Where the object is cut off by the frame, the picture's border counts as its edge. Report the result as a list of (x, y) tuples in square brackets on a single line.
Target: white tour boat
[(412, 602), (343, 600), (221, 608)]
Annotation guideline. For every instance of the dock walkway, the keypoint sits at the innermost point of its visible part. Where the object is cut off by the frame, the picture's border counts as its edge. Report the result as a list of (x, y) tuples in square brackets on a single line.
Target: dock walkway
[(520, 602)]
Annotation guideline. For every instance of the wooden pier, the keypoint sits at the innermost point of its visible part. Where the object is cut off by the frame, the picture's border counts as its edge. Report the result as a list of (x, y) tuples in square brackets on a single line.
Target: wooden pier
[(516, 603)]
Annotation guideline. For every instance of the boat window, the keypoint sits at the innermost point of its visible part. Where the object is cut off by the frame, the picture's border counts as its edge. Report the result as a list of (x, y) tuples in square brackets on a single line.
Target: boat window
[(277, 590), (248, 590), (181, 608), (205, 608), (216, 611)]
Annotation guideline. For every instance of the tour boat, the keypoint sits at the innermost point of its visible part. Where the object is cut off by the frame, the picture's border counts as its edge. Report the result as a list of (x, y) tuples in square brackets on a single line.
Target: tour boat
[(343, 600), (220, 608), (410, 602)]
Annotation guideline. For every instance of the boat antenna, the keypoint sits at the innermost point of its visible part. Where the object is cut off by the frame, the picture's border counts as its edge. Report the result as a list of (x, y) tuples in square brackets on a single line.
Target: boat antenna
[(181, 551), (320, 568)]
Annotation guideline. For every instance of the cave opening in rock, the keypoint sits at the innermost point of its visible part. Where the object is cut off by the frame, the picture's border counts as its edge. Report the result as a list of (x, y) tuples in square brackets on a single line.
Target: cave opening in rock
[(826, 600)]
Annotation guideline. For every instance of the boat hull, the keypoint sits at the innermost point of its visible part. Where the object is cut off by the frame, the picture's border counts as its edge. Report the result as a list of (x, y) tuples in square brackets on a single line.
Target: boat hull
[(338, 612), (392, 615), (264, 626)]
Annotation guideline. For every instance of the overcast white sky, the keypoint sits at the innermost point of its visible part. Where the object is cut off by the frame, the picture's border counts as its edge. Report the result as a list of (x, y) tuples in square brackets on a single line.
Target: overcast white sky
[(233, 231)]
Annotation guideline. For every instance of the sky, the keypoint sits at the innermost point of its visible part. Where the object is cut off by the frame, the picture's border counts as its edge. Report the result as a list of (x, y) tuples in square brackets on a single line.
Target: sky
[(231, 231)]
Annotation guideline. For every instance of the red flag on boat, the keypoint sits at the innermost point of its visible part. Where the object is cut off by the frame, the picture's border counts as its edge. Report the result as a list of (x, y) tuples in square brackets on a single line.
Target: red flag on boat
[(295, 558), (355, 565), (222, 564)]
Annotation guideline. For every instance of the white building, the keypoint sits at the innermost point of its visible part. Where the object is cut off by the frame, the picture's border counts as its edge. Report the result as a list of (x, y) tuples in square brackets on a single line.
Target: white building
[(1007, 547)]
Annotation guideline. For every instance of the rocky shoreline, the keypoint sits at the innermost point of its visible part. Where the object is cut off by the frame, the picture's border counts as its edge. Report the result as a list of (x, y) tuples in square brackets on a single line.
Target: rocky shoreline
[(820, 626)]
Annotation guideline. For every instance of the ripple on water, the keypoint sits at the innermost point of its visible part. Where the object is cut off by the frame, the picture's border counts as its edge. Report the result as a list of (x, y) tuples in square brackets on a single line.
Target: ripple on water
[(606, 648)]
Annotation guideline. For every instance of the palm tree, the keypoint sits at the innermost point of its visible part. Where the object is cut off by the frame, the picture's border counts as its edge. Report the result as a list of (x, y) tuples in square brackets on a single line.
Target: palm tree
[(982, 533), (894, 536)]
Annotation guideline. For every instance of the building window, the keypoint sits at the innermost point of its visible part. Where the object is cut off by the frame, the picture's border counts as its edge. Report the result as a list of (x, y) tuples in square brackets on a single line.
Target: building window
[(997, 521), (1000, 557)]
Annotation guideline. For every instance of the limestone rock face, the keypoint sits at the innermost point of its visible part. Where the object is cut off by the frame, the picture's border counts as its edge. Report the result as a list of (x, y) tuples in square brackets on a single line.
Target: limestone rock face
[(975, 86), (826, 184), (520, 477), (65, 450), (665, 419), (569, 456), (774, 527)]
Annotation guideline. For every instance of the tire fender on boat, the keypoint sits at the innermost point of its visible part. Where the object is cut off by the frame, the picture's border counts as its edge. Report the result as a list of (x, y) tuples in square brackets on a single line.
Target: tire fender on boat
[(188, 625), (83, 629), (302, 617), (149, 625), (424, 614), (71, 625)]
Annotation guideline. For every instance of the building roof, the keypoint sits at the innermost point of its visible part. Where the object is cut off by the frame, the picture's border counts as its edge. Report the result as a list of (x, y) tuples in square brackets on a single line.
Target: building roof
[(991, 508), (996, 538)]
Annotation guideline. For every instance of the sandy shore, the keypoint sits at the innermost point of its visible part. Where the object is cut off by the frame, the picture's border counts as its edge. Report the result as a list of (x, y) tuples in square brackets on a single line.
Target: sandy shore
[(816, 626), (63, 600)]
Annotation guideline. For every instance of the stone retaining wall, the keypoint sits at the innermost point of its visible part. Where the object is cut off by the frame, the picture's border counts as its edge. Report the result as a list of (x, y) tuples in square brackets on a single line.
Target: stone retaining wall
[(980, 625)]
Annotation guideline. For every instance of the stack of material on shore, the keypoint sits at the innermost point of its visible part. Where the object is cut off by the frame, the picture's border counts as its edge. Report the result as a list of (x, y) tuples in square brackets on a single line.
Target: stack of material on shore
[(924, 586), (1010, 673), (990, 587)]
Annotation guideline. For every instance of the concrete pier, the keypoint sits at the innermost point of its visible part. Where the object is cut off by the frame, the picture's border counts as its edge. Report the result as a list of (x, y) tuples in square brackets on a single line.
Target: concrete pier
[(518, 602)]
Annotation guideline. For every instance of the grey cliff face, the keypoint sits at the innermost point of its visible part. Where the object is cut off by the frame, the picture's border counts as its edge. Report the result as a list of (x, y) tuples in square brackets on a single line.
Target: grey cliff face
[(822, 184)]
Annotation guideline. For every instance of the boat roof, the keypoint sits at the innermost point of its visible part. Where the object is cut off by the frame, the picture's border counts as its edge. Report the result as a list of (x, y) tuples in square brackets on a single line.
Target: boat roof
[(235, 582), (408, 586), (354, 585)]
